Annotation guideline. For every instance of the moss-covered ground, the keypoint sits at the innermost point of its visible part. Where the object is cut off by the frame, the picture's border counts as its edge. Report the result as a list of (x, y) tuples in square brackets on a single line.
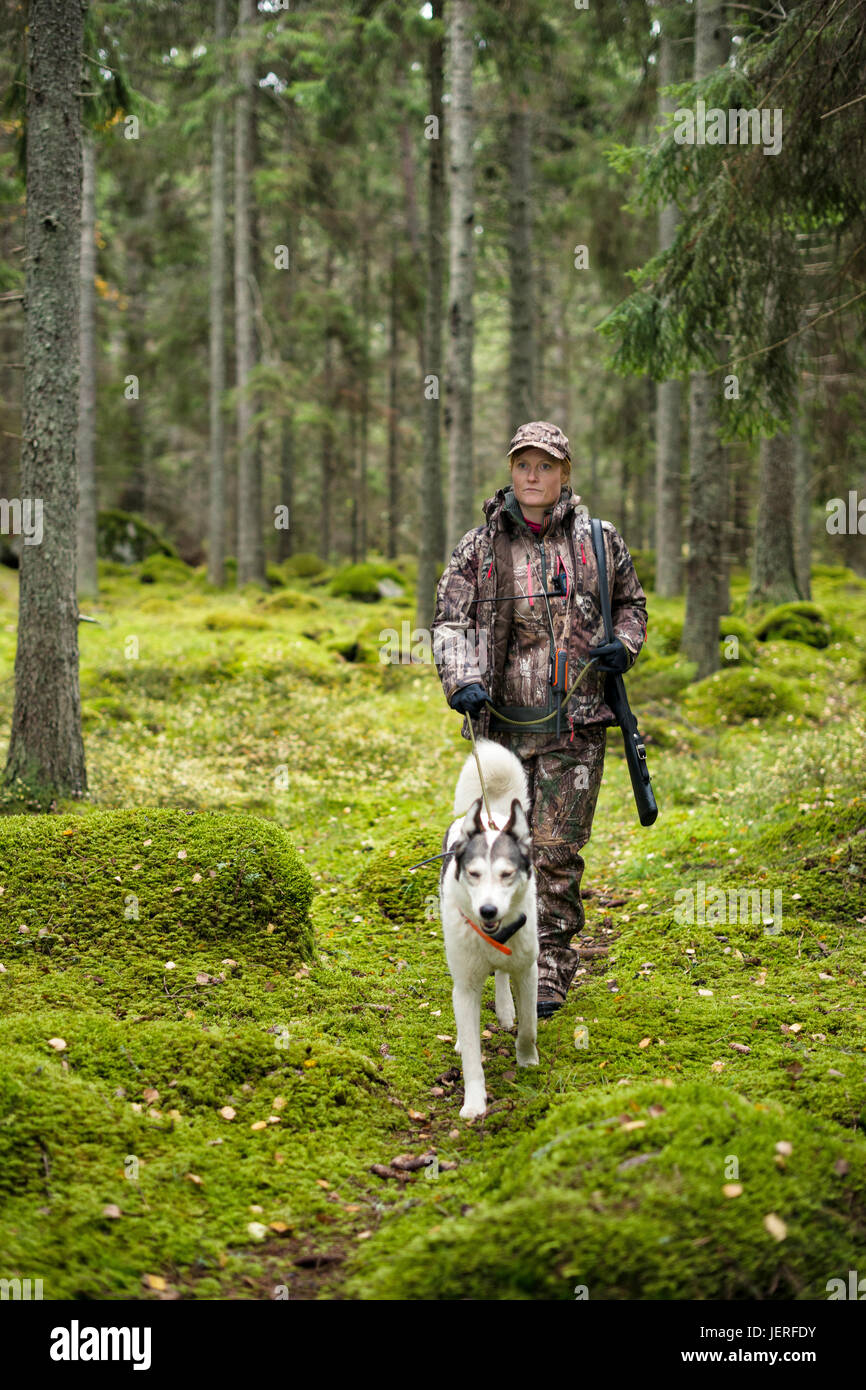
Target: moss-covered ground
[(193, 1099)]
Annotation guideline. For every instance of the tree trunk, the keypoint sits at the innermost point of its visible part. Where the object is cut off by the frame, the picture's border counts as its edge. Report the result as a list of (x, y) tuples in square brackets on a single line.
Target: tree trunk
[(46, 750), (393, 409), (251, 559), (461, 278), (327, 435), (216, 384), (708, 493), (88, 572), (802, 506), (431, 520), (669, 524), (363, 423), (521, 401), (708, 496), (287, 484), (774, 578)]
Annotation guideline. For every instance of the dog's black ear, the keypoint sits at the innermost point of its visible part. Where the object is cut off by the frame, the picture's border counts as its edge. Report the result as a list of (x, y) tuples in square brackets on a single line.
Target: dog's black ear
[(471, 826), (517, 827)]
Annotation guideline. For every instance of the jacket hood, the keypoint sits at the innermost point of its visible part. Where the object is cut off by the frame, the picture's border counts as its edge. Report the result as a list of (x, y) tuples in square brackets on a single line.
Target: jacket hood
[(503, 507)]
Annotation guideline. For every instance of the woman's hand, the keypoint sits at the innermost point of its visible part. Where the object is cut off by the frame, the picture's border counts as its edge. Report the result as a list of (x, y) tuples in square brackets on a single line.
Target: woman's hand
[(470, 700), (613, 657)]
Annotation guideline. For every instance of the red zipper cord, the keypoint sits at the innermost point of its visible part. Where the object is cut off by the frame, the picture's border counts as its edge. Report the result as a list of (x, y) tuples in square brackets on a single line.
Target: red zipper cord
[(582, 553)]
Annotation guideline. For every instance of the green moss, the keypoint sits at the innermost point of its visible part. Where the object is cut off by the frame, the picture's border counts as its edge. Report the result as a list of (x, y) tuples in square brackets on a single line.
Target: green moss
[(659, 677), (126, 539), (303, 566), (796, 622), (733, 696), (164, 569), (361, 582), (152, 883), (293, 600), (737, 642), (587, 1199), (224, 619)]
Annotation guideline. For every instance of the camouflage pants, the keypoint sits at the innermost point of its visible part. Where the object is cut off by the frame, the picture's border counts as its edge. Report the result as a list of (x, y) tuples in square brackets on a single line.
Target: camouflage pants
[(564, 782)]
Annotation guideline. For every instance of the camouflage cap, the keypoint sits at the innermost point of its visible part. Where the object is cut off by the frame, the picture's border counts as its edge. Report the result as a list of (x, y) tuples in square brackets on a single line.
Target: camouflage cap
[(541, 434)]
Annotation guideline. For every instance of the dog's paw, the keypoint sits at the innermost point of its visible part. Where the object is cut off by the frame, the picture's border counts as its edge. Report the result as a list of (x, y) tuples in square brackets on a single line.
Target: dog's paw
[(474, 1104), (527, 1056)]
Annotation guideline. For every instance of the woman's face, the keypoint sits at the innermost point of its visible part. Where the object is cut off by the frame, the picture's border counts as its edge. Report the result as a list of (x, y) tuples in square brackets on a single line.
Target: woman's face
[(537, 479)]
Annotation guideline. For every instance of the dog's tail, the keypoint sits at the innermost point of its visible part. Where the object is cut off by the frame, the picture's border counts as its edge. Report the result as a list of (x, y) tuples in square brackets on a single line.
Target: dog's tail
[(504, 779)]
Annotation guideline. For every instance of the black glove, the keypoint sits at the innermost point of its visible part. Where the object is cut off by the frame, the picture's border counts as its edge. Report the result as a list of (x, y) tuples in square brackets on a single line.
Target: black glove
[(612, 657), (470, 699)]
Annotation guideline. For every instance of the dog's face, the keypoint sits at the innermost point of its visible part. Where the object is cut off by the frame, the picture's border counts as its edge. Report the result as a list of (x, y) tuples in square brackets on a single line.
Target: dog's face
[(492, 867)]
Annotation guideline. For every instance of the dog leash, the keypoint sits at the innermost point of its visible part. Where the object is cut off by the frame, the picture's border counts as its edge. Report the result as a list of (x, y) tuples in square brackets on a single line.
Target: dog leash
[(490, 819)]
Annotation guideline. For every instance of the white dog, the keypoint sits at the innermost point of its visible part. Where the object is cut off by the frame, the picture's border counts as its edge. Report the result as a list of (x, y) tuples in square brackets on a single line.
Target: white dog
[(487, 899)]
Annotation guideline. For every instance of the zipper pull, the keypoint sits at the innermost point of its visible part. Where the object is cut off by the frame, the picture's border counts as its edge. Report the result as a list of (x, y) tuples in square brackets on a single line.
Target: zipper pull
[(582, 553)]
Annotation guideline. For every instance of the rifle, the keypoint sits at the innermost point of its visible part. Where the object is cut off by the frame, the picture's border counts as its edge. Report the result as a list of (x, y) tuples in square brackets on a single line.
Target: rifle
[(616, 698)]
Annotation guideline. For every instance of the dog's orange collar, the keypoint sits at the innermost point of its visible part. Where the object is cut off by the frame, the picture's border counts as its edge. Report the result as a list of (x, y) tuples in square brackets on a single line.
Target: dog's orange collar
[(506, 950)]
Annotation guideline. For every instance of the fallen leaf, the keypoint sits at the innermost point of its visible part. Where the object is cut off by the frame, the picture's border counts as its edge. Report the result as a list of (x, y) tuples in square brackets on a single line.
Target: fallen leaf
[(655, 1111), (841, 1167), (323, 1182), (112, 1210), (732, 1189), (181, 854), (59, 1044), (634, 1124), (194, 1177), (278, 1103), (644, 1042), (257, 1230), (775, 1226), (150, 1094), (717, 1066), (705, 993), (259, 1124), (228, 1113), (202, 979), (156, 1282), (416, 1115), (279, 1226), (783, 1147), (739, 1047)]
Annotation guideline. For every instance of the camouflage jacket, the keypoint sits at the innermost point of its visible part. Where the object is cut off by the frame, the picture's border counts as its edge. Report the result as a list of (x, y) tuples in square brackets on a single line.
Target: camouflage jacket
[(506, 646)]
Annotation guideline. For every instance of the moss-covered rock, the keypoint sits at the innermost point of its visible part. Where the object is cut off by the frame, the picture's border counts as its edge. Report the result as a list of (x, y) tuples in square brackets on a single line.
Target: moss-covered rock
[(127, 538), (737, 641), (659, 677), (796, 622), (164, 569), (585, 1205), (155, 883), (224, 619), (389, 883), (292, 599), (733, 696), (361, 582), (304, 565)]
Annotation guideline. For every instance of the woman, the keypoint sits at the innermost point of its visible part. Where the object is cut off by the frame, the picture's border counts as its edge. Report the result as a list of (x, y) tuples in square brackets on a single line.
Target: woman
[(518, 595)]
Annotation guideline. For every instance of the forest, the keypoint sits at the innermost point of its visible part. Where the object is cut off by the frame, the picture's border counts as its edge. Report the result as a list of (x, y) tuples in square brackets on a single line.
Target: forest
[(280, 280)]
